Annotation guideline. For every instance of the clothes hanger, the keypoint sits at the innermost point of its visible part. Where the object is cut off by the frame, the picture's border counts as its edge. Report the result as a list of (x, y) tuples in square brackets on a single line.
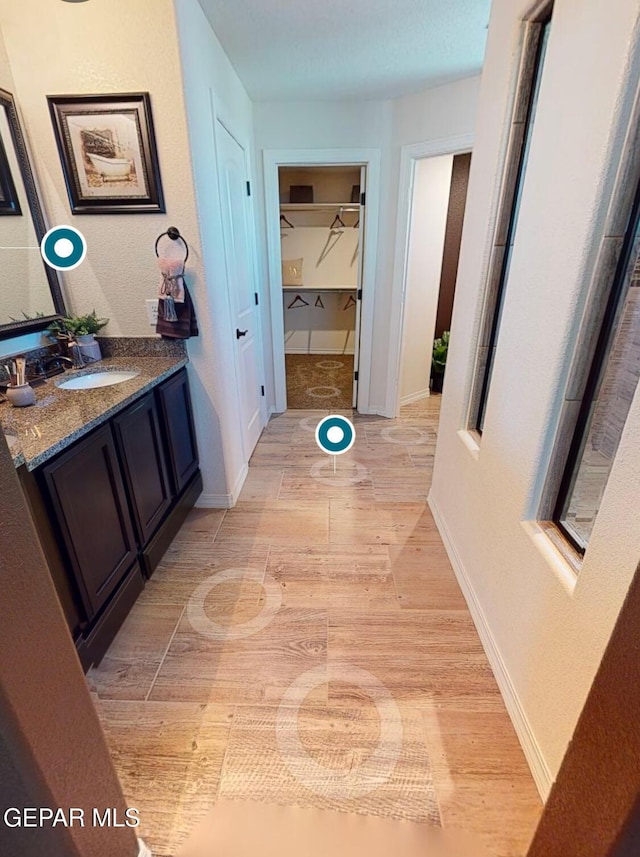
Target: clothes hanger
[(287, 223), (294, 302), (319, 302), (332, 239), (339, 225), (351, 302)]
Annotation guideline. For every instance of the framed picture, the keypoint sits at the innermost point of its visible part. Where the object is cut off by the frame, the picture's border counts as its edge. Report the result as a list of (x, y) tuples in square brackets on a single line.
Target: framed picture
[(108, 152), (9, 203)]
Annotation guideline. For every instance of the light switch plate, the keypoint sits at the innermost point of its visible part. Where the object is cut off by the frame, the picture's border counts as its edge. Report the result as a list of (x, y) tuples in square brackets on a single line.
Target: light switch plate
[(152, 311)]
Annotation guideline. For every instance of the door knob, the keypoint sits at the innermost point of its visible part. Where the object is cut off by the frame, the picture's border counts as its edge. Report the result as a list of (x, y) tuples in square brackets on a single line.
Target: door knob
[(240, 333)]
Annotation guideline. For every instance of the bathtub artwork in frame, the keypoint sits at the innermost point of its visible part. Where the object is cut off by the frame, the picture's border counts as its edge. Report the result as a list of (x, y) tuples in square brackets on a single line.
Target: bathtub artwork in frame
[(108, 152)]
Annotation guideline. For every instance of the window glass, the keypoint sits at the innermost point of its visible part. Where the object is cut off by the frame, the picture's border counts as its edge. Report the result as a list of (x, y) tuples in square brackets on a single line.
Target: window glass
[(610, 390)]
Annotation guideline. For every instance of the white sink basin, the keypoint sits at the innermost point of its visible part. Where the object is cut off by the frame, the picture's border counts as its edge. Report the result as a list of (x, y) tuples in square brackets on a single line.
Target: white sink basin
[(96, 379)]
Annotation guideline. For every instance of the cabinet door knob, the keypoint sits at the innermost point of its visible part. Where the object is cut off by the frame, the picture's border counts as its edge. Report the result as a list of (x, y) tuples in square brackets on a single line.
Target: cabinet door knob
[(240, 333)]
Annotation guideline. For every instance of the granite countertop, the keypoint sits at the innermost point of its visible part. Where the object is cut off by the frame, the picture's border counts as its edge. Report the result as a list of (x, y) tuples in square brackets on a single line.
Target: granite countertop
[(60, 417)]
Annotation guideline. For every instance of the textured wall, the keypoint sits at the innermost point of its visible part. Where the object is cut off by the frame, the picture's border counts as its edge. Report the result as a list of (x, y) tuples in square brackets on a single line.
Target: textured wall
[(594, 808), (549, 628), (210, 79), (15, 791), (100, 47), (443, 111), (387, 125)]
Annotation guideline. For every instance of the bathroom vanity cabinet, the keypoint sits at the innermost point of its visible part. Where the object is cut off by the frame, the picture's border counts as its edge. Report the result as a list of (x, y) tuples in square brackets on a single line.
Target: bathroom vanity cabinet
[(108, 507), (144, 465), (86, 490), (174, 401)]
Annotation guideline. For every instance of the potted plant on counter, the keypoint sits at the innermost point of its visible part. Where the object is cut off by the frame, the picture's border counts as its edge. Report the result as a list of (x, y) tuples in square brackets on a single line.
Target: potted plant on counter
[(80, 330), (439, 361)]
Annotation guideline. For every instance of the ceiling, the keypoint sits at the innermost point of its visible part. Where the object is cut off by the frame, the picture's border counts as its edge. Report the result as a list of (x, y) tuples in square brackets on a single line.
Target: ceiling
[(301, 50)]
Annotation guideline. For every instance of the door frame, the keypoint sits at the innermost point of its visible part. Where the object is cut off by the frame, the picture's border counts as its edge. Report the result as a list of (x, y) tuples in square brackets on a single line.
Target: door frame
[(273, 159), (409, 156)]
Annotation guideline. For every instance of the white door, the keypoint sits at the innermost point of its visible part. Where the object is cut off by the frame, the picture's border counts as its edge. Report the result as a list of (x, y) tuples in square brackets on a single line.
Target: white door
[(234, 192), (361, 233)]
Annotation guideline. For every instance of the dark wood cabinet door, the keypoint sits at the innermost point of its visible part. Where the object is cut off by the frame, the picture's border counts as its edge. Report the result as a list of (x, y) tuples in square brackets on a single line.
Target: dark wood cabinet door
[(89, 501), (177, 417), (143, 464)]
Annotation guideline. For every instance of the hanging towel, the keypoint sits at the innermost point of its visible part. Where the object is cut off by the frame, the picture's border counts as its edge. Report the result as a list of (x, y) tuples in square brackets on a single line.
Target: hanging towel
[(171, 288), (176, 315), (185, 324)]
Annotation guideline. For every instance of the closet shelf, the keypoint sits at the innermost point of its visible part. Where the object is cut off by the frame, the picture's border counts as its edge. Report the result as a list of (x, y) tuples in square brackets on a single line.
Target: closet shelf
[(319, 206)]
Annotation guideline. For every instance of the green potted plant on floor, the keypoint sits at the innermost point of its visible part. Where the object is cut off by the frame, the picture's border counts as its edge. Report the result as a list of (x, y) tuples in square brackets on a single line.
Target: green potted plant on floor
[(439, 361), (80, 330)]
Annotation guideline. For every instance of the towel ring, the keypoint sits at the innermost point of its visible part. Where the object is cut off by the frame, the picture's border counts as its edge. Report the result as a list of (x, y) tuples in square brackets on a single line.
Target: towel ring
[(174, 234)]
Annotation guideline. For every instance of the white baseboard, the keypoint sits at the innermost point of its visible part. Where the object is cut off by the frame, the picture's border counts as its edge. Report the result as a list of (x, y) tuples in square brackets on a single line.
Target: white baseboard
[(223, 501), (415, 397), (319, 351), (537, 763), (237, 488), (373, 410)]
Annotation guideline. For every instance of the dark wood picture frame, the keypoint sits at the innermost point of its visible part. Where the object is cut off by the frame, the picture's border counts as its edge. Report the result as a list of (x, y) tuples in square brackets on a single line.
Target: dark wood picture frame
[(108, 169), (9, 202)]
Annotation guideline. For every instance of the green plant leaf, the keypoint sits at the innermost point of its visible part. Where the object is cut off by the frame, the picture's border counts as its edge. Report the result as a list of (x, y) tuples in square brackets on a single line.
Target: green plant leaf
[(440, 352), (78, 325)]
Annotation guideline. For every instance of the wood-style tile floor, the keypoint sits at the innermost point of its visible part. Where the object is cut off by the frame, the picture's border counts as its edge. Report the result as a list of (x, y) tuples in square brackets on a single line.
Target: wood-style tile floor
[(311, 646)]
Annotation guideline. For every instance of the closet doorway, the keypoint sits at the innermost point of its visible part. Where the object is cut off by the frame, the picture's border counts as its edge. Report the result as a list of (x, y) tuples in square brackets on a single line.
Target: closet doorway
[(321, 236), (338, 270), (436, 205), (431, 198)]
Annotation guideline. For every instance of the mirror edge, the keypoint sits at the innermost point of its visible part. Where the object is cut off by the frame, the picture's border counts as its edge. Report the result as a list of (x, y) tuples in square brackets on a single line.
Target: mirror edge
[(22, 153)]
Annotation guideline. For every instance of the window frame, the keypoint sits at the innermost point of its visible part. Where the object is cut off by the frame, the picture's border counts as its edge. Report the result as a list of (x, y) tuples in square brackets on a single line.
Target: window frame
[(514, 171), (595, 376)]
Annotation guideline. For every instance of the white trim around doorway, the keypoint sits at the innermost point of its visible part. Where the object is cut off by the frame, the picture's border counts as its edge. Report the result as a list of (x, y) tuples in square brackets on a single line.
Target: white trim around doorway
[(456, 145), (272, 160)]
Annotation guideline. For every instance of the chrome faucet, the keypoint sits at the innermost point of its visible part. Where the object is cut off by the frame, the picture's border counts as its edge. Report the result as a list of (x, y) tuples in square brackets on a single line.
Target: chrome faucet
[(62, 362), (57, 358)]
